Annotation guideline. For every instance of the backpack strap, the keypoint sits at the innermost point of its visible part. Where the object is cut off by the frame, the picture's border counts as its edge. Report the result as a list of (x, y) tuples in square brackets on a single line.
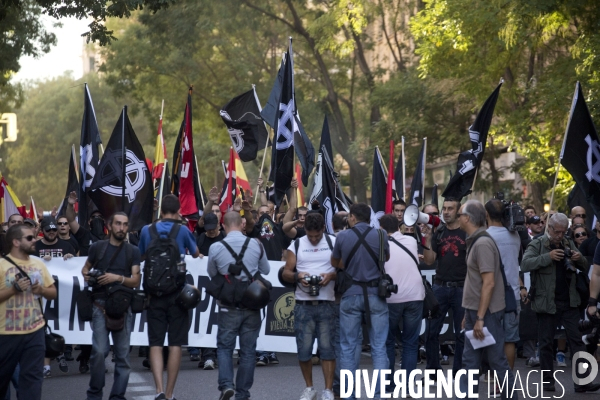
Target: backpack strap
[(153, 232), (102, 247), (296, 246), (174, 231)]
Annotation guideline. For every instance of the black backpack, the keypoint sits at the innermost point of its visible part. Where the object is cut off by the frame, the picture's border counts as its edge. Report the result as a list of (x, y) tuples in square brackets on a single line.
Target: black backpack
[(161, 274)]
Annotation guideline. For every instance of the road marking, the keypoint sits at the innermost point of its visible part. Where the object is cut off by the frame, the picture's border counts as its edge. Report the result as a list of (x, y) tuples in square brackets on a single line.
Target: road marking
[(140, 388), (136, 377)]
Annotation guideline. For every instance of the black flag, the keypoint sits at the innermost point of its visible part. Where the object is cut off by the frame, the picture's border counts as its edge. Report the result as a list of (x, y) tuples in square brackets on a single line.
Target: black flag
[(378, 186), (72, 184), (304, 150), (246, 128), (434, 196), (88, 152), (580, 154), (577, 198), (270, 114), (468, 161), (107, 186), (327, 190), (416, 187)]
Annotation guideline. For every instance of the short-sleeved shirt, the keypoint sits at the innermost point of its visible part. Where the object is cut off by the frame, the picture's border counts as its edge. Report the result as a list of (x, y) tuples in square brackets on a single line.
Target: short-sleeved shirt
[(404, 271), (121, 264), (483, 257), (509, 244), (315, 260), (21, 313), (56, 250), (73, 242), (271, 236), (204, 242), (185, 239), (451, 248), (362, 266)]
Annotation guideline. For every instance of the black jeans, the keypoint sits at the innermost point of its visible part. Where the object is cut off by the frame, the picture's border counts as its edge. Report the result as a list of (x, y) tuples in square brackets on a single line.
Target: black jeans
[(27, 350), (547, 324)]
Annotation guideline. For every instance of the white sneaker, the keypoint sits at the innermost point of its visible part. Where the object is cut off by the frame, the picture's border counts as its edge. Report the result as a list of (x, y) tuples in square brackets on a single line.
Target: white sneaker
[(560, 359), (209, 364), (327, 395), (309, 394)]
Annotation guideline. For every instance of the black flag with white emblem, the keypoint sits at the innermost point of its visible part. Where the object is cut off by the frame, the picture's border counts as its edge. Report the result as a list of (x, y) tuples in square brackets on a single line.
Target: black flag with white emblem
[(88, 152), (245, 125), (107, 187), (416, 186), (468, 161), (580, 154)]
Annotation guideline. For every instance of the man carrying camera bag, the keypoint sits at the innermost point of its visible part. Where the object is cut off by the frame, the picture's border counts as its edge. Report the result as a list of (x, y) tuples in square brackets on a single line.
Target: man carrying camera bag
[(245, 256), (111, 263), (308, 265)]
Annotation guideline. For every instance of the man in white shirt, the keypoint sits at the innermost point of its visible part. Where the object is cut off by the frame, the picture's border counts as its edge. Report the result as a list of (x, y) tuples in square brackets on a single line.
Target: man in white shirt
[(314, 312), (406, 306)]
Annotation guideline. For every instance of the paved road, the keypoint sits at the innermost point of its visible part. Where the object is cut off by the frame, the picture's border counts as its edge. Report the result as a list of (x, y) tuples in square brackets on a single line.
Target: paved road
[(283, 381)]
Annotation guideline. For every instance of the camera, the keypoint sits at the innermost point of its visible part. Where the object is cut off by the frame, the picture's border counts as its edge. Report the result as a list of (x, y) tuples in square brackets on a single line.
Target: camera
[(568, 254), (93, 277), (386, 287), (513, 217), (314, 284), (593, 337)]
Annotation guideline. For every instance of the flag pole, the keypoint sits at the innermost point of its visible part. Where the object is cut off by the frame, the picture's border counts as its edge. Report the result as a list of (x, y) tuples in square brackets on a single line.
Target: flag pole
[(403, 172), (123, 162), (560, 157), (35, 214), (102, 148), (161, 188), (262, 165), (199, 182), (424, 166), (295, 111)]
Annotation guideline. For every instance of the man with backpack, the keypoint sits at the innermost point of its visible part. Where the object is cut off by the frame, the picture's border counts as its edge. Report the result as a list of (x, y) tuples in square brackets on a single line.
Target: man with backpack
[(111, 264), (309, 266), (247, 257), (162, 245)]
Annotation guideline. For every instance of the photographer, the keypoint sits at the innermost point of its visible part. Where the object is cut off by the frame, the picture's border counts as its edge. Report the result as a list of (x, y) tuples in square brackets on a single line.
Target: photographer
[(552, 259), (314, 312), (111, 263)]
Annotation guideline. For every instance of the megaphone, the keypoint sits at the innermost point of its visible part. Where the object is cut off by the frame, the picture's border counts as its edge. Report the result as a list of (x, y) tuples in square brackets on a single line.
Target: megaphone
[(412, 216)]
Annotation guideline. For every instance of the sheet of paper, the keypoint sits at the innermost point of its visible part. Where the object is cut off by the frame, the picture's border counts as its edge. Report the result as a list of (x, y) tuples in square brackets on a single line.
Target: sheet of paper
[(488, 340)]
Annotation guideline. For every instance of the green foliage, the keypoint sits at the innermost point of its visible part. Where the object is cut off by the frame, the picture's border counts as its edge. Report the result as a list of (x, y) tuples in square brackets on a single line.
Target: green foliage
[(49, 123)]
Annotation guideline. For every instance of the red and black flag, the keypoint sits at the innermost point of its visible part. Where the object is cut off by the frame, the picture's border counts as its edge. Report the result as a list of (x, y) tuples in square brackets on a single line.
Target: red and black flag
[(245, 126), (468, 161), (88, 153), (185, 182), (230, 188), (580, 153)]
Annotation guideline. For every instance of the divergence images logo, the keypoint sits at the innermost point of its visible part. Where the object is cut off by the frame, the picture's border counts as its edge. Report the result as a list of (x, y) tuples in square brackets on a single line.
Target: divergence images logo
[(584, 364)]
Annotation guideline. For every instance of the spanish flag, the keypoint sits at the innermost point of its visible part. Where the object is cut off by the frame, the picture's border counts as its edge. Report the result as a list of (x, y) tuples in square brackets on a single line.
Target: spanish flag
[(241, 178), (300, 190), (10, 203), (160, 154)]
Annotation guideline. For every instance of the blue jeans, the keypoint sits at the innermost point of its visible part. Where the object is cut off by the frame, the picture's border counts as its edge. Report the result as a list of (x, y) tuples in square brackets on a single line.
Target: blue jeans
[(495, 353), (100, 349), (338, 350), (245, 324), (352, 309), (315, 322), (449, 298), (410, 315)]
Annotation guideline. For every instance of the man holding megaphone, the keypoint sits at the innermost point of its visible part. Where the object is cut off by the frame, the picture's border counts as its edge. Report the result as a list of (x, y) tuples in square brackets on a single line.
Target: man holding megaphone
[(448, 246)]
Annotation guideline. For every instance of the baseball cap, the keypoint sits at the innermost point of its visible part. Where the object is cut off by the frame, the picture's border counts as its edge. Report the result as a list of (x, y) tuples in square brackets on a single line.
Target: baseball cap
[(49, 223), (534, 220), (210, 221)]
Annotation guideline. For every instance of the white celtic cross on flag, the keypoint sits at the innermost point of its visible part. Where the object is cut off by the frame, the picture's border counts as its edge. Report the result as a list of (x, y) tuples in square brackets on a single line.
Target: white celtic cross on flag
[(282, 129), (593, 166)]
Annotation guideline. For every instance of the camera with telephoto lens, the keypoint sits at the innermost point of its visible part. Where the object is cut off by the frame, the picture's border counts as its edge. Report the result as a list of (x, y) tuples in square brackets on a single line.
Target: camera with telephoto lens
[(386, 287), (314, 284), (568, 254), (513, 216), (93, 277)]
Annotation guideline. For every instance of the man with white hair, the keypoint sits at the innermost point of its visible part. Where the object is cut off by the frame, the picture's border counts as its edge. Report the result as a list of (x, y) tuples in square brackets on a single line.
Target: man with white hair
[(483, 297), (552, 260)]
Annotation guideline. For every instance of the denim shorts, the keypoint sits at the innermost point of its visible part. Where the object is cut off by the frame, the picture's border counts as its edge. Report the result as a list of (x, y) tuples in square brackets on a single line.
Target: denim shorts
[(511, 327), (315, 322)]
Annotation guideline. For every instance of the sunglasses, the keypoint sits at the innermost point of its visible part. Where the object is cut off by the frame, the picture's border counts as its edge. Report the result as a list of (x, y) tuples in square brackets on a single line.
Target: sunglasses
[(580, 216), (62, 223), (29, 238), (580, 234), (51, 230), (437, 214)]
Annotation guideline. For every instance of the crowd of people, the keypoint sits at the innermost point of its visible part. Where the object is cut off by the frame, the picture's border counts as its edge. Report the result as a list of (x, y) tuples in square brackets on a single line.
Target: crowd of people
[(343, 285)]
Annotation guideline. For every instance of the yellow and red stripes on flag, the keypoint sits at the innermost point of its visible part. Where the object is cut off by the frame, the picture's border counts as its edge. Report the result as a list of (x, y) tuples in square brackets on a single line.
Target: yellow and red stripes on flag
[(240, 174), (160, 153), (10, 203), (300, 190)]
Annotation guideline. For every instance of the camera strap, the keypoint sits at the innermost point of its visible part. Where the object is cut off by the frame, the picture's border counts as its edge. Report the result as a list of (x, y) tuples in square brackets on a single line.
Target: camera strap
[(7, 258), (239, 257)]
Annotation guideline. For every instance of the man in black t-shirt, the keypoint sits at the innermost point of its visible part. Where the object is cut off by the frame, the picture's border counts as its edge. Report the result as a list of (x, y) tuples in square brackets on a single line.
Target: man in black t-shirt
[(120, 262), (51, 246), (268, 232), (64, 232), (211, 235), (84, 236), (448, 246)]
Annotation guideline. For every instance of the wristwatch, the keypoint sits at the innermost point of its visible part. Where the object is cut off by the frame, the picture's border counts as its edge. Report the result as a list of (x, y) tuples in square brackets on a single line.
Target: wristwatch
[(522, 287), (479, 319)]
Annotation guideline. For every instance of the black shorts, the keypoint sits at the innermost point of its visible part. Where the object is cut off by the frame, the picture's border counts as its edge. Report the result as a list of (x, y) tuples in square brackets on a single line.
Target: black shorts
[(163, 316)]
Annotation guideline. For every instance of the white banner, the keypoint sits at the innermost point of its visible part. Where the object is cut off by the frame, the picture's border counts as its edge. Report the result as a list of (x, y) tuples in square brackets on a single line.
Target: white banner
[(276, 334)]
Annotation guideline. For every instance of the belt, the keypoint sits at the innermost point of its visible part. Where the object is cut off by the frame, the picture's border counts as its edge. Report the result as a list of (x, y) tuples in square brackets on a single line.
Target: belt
[(449, 284), (312, 302)]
